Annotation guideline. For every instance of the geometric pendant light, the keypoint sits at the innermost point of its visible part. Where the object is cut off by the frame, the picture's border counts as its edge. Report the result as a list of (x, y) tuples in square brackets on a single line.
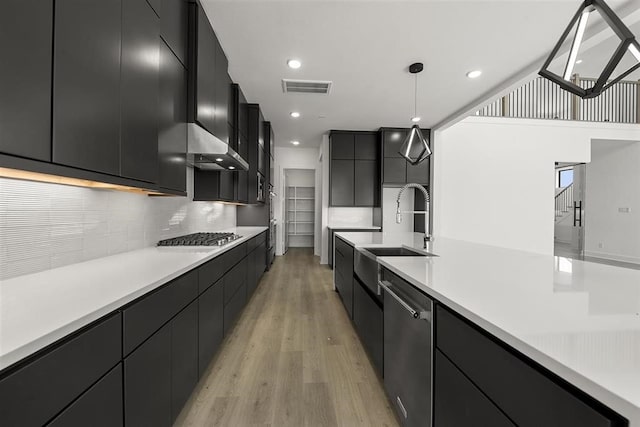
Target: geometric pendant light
[(415, 147), (575, 33)]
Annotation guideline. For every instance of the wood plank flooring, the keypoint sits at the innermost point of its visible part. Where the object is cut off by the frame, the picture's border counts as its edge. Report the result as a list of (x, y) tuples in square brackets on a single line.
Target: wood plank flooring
[(293, 359)]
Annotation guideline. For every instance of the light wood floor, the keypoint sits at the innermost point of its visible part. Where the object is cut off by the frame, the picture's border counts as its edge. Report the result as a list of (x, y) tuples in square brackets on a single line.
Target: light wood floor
[(293, 359)]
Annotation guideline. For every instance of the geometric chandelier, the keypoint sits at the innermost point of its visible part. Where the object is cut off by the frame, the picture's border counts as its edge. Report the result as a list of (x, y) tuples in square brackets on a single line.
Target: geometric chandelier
[(575, 32)]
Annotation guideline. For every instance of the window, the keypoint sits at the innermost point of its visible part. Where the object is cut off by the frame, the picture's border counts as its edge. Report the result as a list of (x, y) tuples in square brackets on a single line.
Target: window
[(565, 178)]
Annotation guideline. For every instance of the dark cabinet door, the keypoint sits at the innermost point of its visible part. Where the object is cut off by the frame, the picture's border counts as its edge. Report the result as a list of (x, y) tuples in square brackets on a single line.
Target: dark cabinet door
[(156, 5), (394, 171), (173, 26), (100, 406), (366, 146), (233, 308), (86, 106), (458, 402), (184, 357), (342, 183), (366, 183), (342, 146), (252, 277), (227, 185), (369, 323), (392, 141), (242, 189), (210, 324), (139, 91), (261, 260), (419, 173), (26, 34), (242, 126), (147, 382), (172, 138), (205, 91)]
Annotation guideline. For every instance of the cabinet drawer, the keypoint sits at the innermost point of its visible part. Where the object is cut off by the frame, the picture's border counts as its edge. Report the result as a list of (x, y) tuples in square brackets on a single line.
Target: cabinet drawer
[(234, 279), (234, 307), (210, 272), (460, 403), (100, 406), (33, 394), (148, 315), (527, 394), (210, 325), (261, 238)]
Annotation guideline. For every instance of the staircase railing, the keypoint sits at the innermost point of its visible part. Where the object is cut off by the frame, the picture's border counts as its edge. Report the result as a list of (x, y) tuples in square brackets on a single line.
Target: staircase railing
[(564, 201), (542, 99)]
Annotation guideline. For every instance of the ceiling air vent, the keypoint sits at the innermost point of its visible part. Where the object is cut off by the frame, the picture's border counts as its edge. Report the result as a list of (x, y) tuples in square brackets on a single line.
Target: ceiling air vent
[(306, 86)]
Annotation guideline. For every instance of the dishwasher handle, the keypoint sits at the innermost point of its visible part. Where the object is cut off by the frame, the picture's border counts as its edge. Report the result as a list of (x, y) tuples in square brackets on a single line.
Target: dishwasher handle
[(416, 314)]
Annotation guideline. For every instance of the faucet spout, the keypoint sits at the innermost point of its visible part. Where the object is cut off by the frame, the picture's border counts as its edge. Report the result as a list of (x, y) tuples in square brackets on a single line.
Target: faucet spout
[(427, 201)]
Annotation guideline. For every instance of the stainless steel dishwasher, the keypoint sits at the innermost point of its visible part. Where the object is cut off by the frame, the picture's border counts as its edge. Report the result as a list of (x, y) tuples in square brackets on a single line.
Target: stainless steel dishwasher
[(408, 350)]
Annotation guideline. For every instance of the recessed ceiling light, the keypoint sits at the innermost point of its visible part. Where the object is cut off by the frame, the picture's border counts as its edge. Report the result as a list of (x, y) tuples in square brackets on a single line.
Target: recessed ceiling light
[(474, 74), (295, 142), (219, 159), (294, 63), (232, 167), (579, 61), (415, 119), (295, 114)]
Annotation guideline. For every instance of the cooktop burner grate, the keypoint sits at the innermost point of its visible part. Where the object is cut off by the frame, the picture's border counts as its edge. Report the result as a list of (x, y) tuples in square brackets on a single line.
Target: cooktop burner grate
[(200, 239)]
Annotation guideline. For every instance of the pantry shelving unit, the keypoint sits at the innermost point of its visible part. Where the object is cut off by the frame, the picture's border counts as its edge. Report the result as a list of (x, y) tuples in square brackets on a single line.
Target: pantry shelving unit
[(300, 215)]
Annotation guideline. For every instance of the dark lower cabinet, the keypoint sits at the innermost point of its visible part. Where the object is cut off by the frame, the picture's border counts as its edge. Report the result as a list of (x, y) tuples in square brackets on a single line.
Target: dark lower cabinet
[(261, 260), (458, 402), (147, 382), (344, 273), (369, 322), (139, 88), (210, 324), (172, 137), (26, 36), (33, 394), (233, 307), (342, 187), (100, 406), (252, 268), (184, 357), (86, 84)]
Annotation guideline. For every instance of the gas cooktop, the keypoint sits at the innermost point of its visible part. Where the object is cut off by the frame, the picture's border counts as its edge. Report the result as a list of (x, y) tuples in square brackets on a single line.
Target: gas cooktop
[(200, 239)]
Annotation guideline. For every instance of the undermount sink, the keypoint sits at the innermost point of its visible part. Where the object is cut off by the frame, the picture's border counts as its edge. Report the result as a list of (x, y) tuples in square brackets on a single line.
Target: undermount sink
[(396, 252)]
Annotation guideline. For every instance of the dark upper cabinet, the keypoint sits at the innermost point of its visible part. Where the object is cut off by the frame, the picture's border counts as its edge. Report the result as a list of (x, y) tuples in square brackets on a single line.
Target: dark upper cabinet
[(242, 187), (147, 382), (255, 145), (86, 83), (366, 146), (222, 85), (354, 169), (172, 138), (366, 183), (395, 169), (204, 89), (174, 19), (26, 34), (342, 146), (342, 183), (139, 90), (242, 125), (214, 185)]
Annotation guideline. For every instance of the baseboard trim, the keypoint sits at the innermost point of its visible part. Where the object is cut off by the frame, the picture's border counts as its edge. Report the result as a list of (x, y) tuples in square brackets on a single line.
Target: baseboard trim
[(612, 257)]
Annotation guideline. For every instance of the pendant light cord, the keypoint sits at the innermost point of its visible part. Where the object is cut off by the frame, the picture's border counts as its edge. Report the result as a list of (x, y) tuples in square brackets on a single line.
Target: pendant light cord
[(415, 98)]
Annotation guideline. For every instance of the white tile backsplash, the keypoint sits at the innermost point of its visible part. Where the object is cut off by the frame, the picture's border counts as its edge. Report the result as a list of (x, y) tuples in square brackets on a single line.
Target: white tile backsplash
[(44, 226)]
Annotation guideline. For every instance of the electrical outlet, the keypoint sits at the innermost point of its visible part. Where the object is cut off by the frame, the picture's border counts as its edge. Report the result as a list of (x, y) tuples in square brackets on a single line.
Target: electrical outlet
[(624, 210)]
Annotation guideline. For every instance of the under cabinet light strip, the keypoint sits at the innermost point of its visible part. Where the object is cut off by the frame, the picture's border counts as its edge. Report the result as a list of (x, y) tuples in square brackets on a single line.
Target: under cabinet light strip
[(575, 47)]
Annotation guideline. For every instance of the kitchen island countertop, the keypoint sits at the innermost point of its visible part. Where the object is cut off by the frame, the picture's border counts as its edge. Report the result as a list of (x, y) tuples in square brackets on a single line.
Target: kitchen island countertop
[(40, 308), (580, 320)]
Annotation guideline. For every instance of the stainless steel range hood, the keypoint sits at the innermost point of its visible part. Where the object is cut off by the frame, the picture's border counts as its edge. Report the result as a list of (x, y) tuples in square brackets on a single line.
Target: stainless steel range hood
[(208, 152)]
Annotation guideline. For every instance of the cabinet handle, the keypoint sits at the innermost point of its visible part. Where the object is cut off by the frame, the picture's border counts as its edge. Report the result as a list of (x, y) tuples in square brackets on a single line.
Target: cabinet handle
[(416, 314)]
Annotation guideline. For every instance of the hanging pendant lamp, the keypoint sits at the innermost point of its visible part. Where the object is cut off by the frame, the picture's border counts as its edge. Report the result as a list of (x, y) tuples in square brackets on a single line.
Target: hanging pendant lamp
[(562, 75), (415, 147)]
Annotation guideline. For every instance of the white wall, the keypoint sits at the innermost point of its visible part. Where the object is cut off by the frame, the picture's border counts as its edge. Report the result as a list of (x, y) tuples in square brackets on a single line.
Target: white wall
[(390, 206), (613, 182), (487, 169), (44, 226), (291, 158)]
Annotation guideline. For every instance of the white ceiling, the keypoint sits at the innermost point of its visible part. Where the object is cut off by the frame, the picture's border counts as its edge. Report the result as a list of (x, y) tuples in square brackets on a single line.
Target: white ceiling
[(364, 48)]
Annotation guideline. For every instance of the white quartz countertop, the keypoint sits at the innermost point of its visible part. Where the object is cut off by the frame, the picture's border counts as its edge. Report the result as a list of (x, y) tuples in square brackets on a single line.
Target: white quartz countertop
[(580, 320), (39, 309)]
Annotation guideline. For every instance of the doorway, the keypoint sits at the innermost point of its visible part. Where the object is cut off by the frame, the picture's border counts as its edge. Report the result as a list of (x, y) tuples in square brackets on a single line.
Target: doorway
[(298, 207), (569, 215)]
